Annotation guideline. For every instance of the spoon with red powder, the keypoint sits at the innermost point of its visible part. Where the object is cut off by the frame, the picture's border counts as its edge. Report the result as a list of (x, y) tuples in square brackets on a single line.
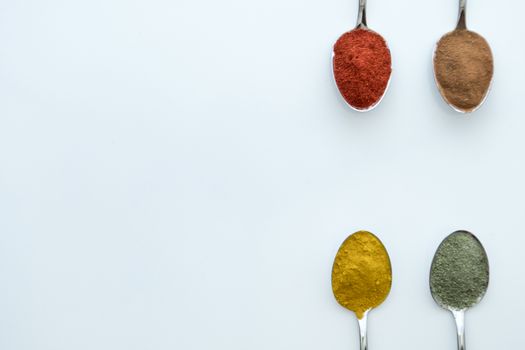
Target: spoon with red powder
[(362, 65)]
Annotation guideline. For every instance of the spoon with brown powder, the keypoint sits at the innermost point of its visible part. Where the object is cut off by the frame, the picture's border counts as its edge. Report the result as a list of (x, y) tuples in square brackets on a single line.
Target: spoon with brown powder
[(463, 66)]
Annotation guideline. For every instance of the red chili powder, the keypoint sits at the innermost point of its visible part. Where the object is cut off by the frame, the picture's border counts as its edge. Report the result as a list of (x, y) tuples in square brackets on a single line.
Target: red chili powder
[(362, 67)]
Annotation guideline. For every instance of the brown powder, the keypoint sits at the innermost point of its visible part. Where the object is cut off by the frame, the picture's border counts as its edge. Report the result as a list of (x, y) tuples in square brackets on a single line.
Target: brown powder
[(463, 66)]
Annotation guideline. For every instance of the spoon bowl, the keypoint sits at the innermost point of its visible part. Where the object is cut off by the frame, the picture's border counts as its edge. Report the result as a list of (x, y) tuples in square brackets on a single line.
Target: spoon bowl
[(361, 277), (463, 66), (357, 53), (459, 276)]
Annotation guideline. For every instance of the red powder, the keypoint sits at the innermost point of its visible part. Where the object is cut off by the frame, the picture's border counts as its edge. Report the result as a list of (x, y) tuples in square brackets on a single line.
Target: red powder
[(362, 67)]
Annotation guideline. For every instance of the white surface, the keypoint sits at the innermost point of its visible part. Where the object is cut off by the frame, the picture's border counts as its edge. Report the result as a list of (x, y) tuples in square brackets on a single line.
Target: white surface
[(179, 175)]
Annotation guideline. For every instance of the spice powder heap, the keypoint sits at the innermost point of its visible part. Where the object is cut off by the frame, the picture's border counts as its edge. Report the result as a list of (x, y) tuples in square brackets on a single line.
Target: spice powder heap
[(361, 274), (463, 67), (459, 276), (362, 67)]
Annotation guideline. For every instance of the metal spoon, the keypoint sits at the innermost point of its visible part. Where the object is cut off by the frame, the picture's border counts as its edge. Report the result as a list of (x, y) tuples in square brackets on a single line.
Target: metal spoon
[(362, 25), (354, 262), (466, 102), (459, 277)]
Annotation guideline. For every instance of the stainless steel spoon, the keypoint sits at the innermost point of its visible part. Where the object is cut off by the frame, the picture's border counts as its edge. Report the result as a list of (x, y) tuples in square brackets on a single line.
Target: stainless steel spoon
[(361, 15), (459, 277), (362, 257), (474, 85), (362, 25)]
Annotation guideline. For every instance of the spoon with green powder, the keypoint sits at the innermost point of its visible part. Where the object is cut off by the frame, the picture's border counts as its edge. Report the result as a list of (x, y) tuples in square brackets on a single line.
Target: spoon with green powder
[(361, 277), (459, 277), (463, 66)]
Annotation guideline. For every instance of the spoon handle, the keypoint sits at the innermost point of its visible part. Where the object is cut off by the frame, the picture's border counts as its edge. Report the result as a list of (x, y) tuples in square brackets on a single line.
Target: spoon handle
[(459, 316), (363, 331), (462, 18), (361, 15)]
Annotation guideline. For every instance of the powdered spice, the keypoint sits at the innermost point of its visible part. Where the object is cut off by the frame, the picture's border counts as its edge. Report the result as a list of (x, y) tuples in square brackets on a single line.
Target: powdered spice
[(463, 66), (459, 275), (362, 67), (361, 274)]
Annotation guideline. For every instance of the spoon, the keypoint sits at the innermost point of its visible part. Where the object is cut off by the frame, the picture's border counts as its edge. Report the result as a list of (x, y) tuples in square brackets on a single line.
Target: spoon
[(459, 277), (361, 277), (362, 65), (463, 66)]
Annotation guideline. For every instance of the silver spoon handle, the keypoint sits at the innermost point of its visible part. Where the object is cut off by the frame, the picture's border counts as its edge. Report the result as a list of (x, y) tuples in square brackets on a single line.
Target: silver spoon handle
[(462, 18), (361, 15), (459, 316), (363, 339)]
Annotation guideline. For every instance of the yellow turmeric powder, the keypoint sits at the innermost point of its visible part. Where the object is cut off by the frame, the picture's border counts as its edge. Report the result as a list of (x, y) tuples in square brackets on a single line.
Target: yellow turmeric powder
[(362, 274)]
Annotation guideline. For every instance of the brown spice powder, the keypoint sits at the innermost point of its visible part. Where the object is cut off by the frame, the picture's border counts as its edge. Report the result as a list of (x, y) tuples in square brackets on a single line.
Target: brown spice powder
[(463, 66)]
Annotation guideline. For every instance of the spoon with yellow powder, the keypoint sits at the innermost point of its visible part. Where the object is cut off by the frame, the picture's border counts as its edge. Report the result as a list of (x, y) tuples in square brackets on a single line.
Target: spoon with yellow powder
[(361, 277), (463, 66)]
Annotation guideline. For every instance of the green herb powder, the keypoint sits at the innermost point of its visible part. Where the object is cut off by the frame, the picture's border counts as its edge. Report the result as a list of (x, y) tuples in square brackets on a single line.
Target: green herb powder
[(459, 275)]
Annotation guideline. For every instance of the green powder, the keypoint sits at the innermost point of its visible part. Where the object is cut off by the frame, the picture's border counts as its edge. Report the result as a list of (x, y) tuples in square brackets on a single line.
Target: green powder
[(459, 276)]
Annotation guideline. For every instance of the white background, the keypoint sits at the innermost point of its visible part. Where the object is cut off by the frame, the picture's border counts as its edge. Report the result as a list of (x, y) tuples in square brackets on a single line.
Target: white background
[(179, 175)]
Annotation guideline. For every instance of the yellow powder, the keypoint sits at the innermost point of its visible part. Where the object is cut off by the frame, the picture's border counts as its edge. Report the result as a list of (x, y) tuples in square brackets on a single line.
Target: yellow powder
[(362, 274)]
